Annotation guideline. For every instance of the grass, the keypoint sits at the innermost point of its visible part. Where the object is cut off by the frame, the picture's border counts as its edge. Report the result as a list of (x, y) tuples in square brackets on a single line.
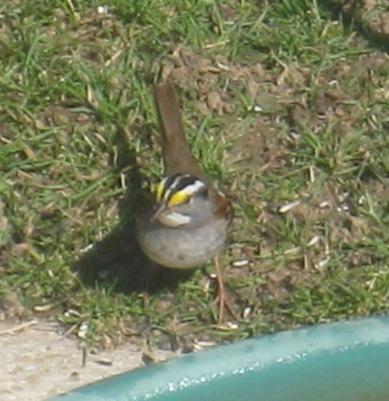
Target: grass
[(283, 106)]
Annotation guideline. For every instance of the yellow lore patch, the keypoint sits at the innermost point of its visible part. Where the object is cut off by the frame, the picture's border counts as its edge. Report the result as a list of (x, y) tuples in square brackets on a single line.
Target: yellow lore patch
[(159, 190), (177, 189), (178, 198)]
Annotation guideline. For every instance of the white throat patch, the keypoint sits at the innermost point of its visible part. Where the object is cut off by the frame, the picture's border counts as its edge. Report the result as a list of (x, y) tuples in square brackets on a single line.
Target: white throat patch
[(173, 219)]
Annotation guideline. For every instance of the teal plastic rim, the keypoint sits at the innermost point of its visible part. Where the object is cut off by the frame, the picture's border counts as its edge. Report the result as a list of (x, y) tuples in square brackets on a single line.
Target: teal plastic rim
[(345, 361)]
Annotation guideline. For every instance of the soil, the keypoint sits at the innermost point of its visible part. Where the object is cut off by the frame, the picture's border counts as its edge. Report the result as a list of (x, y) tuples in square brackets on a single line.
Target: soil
[(371, 15), (39, 361)]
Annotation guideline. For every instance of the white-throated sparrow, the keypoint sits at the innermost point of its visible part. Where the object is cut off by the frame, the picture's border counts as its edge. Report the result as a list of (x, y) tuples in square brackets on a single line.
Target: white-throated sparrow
[(187, 225)]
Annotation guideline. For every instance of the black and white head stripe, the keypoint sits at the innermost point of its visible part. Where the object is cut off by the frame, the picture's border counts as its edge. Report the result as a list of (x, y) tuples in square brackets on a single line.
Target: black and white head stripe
[(179, 188)]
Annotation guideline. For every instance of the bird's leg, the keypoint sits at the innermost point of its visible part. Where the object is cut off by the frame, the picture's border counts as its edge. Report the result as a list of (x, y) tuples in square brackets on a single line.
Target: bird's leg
[(220, 287), (222, 299)]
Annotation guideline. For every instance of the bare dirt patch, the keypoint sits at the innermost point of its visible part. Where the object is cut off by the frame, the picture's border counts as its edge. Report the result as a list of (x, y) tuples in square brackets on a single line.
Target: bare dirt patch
[(41, 362)]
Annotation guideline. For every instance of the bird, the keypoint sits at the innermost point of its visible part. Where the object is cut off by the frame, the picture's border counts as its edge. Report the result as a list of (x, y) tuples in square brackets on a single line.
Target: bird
[(187, 222)]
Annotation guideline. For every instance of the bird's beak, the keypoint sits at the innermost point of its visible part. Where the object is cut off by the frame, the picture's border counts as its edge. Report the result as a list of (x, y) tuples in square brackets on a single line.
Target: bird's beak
[(158, 212)]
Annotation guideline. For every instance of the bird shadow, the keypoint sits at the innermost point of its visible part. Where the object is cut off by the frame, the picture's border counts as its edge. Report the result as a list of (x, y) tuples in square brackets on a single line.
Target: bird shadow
[(117, 262)]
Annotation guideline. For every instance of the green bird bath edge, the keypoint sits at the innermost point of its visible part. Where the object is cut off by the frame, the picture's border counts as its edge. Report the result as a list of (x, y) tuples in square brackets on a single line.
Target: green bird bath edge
[(344, 361)]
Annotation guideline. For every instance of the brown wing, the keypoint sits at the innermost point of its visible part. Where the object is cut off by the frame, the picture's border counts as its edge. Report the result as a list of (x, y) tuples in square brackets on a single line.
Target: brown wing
[(176, 152), (223, 208)]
